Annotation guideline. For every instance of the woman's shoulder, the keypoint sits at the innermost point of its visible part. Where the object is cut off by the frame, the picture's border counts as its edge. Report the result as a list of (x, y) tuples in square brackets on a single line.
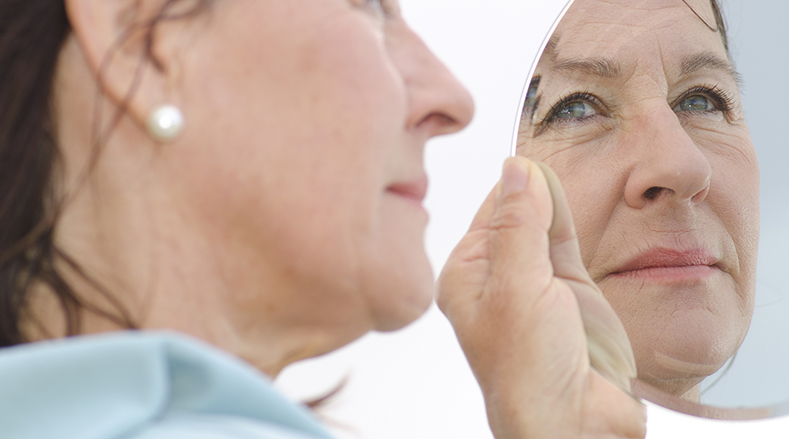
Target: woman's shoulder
[(138, 383)]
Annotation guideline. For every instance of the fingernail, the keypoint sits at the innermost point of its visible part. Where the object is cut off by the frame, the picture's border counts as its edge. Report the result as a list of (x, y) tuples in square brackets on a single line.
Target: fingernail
[(514, 177)]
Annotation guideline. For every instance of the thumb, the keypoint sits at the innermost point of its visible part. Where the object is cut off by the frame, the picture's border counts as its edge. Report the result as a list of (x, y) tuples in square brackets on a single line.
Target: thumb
[(519, 241), (493, 251), (610, 351)]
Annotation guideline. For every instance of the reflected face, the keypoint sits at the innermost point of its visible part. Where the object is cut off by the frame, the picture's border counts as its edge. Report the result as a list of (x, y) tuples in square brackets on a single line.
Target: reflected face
[(638, 111)]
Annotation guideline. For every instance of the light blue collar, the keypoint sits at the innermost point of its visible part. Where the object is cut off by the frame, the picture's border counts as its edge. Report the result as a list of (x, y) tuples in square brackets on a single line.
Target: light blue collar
[(97, 387)]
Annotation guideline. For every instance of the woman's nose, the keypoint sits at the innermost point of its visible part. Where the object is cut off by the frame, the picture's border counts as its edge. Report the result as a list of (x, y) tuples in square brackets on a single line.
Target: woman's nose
[(438, 102), (669, 167)]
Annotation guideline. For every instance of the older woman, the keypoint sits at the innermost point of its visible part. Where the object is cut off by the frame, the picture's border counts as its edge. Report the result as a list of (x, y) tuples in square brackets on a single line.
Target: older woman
[(248, 173), (638, 111)]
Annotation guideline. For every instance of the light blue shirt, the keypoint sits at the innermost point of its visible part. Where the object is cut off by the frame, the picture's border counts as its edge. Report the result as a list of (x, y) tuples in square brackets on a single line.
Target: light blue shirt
[(139, 385)]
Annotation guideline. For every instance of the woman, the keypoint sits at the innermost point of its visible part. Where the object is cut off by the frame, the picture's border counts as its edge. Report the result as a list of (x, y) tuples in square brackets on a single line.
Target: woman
[(638, 111), (249, 174)]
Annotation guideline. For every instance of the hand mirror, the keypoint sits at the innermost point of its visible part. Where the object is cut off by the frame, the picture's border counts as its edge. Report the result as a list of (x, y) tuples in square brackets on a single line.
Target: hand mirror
[(649, 112)]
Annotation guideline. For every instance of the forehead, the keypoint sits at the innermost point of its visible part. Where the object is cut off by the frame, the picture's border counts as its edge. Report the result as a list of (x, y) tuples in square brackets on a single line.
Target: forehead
[(658, 33)]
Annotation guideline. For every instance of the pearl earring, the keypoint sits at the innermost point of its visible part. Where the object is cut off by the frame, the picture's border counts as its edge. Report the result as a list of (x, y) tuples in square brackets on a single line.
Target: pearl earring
[(165, 123)]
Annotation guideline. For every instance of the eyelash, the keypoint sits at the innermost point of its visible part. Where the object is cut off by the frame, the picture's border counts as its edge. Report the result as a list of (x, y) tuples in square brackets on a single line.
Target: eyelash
[(579, 96), (722, 100)]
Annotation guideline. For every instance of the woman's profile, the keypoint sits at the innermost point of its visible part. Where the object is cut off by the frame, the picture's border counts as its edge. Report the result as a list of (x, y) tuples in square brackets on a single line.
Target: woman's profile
[(636, 106), (195, 194)]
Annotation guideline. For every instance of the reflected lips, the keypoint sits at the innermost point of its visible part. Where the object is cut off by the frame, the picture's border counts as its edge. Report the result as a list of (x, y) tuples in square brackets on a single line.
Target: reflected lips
[(670, 265)]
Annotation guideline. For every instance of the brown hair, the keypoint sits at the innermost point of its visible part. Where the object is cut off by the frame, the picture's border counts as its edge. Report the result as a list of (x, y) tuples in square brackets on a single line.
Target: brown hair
[(720, 21), (32, 33)]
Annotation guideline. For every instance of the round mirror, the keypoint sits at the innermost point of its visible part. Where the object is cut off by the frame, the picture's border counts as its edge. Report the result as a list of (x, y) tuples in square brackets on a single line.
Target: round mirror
[(653, 114)]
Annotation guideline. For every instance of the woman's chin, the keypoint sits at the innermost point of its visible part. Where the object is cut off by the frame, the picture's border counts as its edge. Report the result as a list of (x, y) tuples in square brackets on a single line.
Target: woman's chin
[(679, 368), (398, 282), (397, 315), (399, 299), (675, 378), (686, 345)]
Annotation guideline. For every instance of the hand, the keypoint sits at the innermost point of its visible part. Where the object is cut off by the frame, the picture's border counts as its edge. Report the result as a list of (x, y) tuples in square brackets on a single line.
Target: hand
[(531, 321)]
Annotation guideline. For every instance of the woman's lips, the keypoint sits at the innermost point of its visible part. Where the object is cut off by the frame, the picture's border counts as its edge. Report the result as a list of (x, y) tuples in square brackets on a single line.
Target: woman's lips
[(412, 190), (669, 265)]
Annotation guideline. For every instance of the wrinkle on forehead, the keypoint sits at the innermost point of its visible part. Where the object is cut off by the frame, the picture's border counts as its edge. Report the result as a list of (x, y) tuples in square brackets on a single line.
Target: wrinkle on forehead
[(649, 44), (608, 13), (607, 34)]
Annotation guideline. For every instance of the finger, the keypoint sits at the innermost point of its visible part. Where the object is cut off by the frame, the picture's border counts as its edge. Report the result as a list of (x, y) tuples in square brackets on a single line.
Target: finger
[(462, 279), (482, 218), (518, 232), (565, 251), (610, 351), (470, 266)]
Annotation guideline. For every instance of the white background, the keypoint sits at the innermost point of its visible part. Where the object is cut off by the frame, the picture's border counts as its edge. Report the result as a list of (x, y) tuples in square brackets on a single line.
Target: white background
[(415, 383)]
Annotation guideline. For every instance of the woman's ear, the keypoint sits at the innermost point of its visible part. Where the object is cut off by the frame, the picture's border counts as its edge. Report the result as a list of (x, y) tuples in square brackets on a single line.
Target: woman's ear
[(129, 51)]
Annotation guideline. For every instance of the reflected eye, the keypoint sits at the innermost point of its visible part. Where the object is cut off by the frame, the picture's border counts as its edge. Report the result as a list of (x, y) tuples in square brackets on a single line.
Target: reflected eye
[(696, 103), (574, 110), (703, 100)]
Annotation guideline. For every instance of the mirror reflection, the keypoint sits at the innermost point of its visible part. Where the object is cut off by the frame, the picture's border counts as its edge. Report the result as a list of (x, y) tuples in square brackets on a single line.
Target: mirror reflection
[(636, 105)]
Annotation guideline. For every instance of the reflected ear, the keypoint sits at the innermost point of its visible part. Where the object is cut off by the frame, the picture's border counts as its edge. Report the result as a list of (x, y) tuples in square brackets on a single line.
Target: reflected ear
[(126, 52)]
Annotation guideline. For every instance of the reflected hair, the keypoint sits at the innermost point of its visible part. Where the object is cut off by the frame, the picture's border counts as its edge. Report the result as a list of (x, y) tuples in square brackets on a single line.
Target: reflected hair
[(720, 22)]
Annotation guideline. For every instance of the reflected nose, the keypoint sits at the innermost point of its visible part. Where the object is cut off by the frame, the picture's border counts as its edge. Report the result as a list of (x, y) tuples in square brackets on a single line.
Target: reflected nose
[(438, 102), (670, 167)]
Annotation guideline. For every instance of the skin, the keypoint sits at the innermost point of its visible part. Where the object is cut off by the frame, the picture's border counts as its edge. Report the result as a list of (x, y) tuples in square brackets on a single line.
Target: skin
[(280, 224), (515, 289), (286, 220), (643, 170)]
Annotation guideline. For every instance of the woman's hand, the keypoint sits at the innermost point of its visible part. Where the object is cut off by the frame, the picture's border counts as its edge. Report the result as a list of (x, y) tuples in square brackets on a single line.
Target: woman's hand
[(532, 322)]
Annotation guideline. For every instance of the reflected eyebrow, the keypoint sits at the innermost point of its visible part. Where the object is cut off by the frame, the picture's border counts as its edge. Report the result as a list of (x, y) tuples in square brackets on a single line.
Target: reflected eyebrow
[(708, 61), (602, 67)]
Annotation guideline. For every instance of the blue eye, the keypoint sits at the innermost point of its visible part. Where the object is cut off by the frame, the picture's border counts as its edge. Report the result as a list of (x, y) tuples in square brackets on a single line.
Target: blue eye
[(574, 110), (696, 103), (706, 99), (577, 108)]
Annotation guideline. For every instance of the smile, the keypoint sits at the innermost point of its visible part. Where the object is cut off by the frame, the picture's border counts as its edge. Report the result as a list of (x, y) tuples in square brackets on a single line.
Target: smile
[(665, 265)]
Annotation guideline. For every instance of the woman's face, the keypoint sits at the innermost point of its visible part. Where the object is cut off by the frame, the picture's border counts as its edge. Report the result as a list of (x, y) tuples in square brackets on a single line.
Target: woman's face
[(302, 158), (639, 113)]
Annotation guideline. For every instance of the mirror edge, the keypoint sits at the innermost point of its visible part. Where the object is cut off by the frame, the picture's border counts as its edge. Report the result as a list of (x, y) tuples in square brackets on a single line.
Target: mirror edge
[(530, 74)]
